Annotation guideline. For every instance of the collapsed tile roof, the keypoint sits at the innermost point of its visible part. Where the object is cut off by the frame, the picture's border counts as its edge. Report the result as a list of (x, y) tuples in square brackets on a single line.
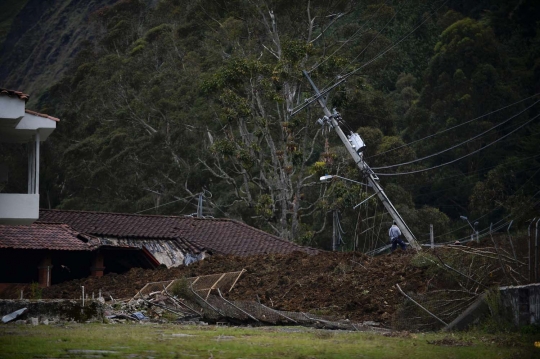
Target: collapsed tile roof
[(19, 94), (223, 236), (52, 236)]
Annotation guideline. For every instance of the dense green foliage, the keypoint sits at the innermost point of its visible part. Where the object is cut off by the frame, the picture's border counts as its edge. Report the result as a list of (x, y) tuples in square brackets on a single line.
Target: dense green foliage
[(189, 96)]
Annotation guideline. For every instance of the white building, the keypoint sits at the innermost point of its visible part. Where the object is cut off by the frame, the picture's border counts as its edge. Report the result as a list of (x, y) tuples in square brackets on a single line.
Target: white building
[(19, 125)]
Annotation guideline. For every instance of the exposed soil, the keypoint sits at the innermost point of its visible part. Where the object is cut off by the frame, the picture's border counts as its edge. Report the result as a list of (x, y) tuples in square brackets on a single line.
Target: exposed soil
[(342, 285), (345, 285)]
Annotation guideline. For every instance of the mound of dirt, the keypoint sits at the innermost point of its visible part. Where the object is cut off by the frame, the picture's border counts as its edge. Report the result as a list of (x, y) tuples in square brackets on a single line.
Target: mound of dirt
[(345, 285)]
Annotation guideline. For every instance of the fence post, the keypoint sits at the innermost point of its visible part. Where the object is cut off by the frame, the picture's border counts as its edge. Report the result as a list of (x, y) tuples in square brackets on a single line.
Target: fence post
[(510, 239), (536, 253), (530, 245), (431, 238)]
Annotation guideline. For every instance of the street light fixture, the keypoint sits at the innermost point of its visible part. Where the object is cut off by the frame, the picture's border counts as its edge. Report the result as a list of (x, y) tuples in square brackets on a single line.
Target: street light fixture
[(327, 178), (475, 231)]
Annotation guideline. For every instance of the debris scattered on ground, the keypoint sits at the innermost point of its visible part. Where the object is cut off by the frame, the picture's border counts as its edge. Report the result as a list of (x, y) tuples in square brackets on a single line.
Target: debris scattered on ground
[(354, 289), (344, 285), (9, 317)]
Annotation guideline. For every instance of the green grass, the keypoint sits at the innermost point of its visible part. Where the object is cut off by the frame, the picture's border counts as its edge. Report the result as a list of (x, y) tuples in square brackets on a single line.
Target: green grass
[(159, 341)]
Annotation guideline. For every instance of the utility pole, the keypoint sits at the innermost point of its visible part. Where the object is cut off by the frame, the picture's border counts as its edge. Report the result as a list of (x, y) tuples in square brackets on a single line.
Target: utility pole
[(332, 120), (200, 206), (335, 233), (431, 237)]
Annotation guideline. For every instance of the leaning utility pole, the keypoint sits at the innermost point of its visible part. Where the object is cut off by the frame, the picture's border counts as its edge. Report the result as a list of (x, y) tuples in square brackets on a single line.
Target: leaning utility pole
[(354, 145)]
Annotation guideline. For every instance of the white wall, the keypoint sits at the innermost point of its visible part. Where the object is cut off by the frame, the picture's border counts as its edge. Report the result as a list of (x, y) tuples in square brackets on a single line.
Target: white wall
[(18, 208), (11, 107)]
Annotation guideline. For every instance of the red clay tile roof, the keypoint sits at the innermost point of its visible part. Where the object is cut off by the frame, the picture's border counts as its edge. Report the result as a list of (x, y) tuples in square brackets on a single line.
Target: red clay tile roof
[(225, 236), (228, 236), (52, 236), (42, 115), (19, 94)]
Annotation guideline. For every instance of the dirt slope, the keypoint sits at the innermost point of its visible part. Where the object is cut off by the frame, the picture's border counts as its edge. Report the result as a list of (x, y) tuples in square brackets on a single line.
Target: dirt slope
[(345, 285)]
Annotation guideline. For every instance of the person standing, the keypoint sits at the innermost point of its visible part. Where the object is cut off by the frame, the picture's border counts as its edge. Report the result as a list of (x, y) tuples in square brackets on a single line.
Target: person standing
[(395, 237)]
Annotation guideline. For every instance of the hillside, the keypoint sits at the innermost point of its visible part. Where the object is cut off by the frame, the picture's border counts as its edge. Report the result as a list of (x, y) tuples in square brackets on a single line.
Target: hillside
[(10, 9), (39, 39), (165, 102)]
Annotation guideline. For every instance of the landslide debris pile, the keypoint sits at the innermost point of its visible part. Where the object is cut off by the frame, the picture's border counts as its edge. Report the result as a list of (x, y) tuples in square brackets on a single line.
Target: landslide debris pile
[(345, 285)]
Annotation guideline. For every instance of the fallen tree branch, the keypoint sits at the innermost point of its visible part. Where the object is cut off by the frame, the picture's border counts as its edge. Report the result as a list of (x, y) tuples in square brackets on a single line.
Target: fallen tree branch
[(418, 304), (455, 270), (482, 253)]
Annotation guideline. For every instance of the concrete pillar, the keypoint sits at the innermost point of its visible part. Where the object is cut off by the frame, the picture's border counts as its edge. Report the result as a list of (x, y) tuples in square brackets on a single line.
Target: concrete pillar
[(97, 267), (31, 167), (36, 179), (44, 271)]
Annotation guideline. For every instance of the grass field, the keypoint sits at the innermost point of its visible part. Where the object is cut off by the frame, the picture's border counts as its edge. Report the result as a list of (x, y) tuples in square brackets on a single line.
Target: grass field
[(178, 341)]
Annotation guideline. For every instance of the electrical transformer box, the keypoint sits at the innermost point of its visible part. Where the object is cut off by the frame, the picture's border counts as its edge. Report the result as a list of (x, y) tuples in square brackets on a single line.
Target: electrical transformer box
[(356, 142)]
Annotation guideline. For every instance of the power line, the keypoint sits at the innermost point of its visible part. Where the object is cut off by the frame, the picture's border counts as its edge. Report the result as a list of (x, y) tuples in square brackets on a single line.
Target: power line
[(382, 53), (471, 173), (165, 204), (349, 39), (456, 146), (454, 127), (374, 38), (479, 218), (460, 158), (485, 215), (342, 79), (480, 234), (464, 184), (496, 208), (465, 226)]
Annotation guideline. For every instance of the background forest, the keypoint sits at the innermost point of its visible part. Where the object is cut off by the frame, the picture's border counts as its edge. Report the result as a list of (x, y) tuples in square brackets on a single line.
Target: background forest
[(161, 101)]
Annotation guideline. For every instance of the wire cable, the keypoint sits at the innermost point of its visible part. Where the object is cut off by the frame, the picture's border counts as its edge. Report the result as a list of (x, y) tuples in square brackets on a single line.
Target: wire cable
[(342, 79), (472, 173), (460, 158), (454, 127), (382, 53), (466, 184), (349, 39), (374, 38), (496, 208), (459, 144), (165, 204)]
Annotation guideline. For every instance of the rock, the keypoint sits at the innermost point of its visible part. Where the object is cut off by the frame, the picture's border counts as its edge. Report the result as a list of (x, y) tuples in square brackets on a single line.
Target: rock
[(45, 321), (371, 323), (34, 321)]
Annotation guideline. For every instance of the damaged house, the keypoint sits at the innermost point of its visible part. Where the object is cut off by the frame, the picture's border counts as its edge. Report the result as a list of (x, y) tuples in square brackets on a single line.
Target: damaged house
[(65, 244), (51, 246), (49, 253)]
